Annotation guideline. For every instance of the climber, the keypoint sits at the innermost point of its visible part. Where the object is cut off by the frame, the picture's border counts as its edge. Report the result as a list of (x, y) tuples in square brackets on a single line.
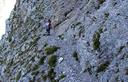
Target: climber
[(48, 27)]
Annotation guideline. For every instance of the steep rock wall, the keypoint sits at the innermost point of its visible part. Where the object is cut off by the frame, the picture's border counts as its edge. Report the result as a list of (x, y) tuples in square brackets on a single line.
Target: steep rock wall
[(88, 42)]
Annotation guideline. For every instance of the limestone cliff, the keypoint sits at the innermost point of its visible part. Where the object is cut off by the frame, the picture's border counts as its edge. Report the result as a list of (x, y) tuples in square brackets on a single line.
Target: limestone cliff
[(88, 42)]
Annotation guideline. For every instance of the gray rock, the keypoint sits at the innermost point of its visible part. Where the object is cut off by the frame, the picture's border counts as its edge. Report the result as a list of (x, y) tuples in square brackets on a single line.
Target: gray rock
[(95, 29)]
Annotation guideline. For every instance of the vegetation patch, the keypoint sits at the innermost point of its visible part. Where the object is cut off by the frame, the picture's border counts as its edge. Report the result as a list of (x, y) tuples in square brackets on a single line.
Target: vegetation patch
[(35, 67), (51, 74), (96, 42), (51, 50), (103, 67), (101, 1), (52, 60), (54, 81), (41, 61), (62, 76), (44, 77)]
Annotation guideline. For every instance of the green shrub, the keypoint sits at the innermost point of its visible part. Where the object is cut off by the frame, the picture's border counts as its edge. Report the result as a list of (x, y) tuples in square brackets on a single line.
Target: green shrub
[(103, 67), (51, 74), (54, 80), (51, 50), (41, 61), (35, 67), (62, 76), (96, 42), (52, 60), (44, 77), (75, 55), (101, 1)]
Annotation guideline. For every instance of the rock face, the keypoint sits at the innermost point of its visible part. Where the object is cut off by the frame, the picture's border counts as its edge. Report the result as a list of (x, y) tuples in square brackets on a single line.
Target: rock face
[(88, 42)]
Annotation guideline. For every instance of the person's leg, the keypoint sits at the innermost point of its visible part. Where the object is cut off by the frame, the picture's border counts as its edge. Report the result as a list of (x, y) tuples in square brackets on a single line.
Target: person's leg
[(49, 32)]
